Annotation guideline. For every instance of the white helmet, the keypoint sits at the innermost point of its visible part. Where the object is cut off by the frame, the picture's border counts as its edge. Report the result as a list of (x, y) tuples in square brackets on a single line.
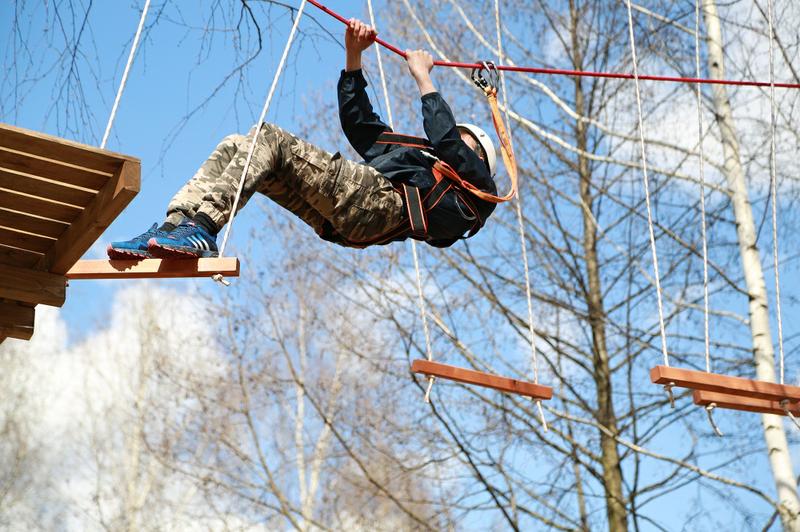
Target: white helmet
[(486, 144)]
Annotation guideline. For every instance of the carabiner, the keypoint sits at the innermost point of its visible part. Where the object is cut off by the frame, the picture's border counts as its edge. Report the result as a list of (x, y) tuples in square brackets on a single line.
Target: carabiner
[(486, 85)]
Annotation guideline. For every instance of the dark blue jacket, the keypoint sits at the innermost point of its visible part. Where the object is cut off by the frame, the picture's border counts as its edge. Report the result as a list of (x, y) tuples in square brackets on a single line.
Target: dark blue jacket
[(450, 219)]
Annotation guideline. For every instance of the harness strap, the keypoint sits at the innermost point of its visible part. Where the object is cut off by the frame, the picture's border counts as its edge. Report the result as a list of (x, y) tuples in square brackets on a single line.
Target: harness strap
[(409, 141), (417, 215)]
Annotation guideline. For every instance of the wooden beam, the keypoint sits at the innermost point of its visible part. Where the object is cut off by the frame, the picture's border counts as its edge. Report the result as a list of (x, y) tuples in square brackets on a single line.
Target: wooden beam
[(98, 215), (16, 321), (38, 207), (745, 404), (31, 224), (35, 165), (31, 286), (153, 268), (711, 382), (468, 376), (18, 257), (47, 189), (26, 241)]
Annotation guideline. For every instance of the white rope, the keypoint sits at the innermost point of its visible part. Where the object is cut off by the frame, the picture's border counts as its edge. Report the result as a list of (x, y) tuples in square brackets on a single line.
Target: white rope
[(773, 178), (124, 80), (260, 121), (647, 188), (420, 294), (702, 185), (380, 68), (520, 223)]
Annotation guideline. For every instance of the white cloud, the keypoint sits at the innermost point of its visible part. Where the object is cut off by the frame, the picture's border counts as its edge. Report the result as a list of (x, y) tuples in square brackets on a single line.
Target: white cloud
[(84, 402)]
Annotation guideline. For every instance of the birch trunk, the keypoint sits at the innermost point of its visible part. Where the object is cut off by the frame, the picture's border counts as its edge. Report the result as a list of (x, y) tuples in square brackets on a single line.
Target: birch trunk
[(763, 352)]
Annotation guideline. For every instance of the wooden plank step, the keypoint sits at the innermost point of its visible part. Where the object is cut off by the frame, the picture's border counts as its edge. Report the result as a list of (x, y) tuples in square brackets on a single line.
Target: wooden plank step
[(60, 149), (712, 382), (744, 404), (45, 189), (38, 207), (31, 224), (30, 286), (16, 320), (51, 169), (468, 376), (153, 268), (25, 241)]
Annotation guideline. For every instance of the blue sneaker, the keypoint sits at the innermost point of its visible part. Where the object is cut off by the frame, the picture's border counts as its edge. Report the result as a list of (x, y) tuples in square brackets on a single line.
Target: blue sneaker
[(135, 248), (187, 241)]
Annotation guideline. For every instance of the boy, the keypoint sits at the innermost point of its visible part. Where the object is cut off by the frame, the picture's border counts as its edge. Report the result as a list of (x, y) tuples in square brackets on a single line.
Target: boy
[(349, 203)]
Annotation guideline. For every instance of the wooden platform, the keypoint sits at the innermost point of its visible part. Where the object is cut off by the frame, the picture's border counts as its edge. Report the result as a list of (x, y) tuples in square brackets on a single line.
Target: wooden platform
[(56, 199), (153, 268), (468, 376)]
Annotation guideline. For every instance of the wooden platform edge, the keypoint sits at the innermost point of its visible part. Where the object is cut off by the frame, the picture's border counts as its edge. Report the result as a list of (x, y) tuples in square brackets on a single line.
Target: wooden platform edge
[(31, 286), (468, 376), (744, 404), (153, 268), (712, 382)]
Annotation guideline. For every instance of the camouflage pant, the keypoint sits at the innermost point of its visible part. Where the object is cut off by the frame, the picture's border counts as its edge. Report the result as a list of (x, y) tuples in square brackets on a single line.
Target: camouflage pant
[(336, 197)]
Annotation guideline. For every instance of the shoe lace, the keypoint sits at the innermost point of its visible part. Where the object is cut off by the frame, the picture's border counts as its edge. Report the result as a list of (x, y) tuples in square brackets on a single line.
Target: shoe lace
[(149, 233), (184, 229)]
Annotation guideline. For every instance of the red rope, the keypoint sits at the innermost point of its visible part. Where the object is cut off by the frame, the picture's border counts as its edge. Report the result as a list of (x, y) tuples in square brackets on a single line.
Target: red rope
[(578, 73)]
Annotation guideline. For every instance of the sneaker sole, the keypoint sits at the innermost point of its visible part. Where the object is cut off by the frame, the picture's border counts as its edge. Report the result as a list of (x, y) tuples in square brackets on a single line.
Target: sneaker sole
[(160, 251), (126, 254)]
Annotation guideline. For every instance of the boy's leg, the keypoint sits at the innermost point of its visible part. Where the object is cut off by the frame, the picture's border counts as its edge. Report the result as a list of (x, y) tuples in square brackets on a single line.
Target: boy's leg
[(192, 194), (353, 199), (319, 187), (212, 189)]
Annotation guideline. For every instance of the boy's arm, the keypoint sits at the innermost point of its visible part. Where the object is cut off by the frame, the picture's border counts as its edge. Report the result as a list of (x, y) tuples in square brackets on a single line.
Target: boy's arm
[(361, 125), (440, 127)]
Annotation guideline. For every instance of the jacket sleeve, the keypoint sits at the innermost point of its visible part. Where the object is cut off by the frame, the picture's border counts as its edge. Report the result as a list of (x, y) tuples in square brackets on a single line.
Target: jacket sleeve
[(361, 125), (440, 127)]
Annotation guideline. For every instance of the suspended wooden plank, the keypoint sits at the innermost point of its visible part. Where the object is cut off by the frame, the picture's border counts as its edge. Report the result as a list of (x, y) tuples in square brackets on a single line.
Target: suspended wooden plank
[(712, 382), (153, 268), (16, 320), (58, 149), (31, 286), (745, 404), (27, 163), (487, 380), (42, 188)]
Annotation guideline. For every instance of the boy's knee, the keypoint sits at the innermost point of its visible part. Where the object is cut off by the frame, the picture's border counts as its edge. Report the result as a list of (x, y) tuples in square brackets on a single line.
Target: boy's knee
[(234, 139)]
